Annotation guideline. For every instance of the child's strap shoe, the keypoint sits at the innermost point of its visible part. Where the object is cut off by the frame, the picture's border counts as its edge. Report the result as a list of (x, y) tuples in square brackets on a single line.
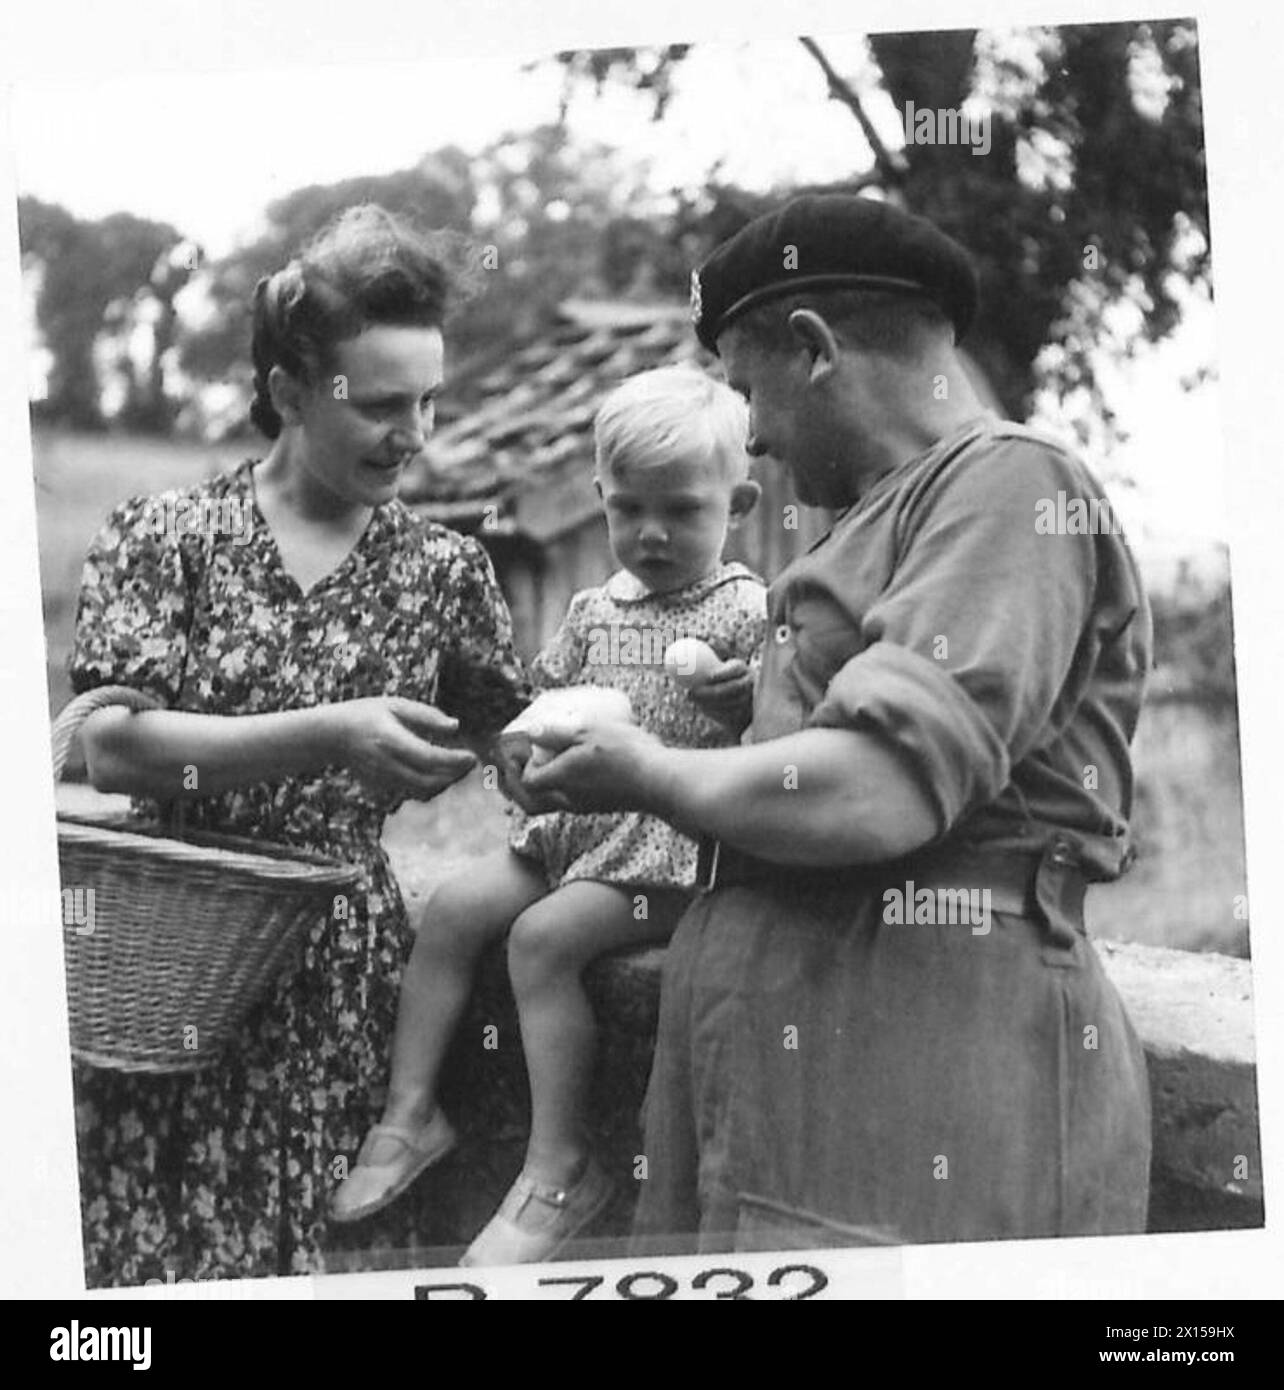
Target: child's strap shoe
[(536, 1220), (390, 1160)]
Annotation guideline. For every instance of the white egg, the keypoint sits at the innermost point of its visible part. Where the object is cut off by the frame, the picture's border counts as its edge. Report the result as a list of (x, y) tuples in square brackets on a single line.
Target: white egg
[(691, 662), (563, 712)]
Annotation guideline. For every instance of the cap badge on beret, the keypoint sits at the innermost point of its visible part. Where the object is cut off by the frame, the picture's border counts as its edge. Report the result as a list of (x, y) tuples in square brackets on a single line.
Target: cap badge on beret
[(695, 298)]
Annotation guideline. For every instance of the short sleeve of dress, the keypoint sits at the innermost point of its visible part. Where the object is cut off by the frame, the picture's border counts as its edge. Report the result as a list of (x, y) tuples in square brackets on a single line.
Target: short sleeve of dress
[(481, 681), (750, 629), (135, 606)]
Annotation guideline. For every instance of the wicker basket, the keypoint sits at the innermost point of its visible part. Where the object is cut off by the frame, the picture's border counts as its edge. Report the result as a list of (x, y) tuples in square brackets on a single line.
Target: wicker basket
[(186, 931)]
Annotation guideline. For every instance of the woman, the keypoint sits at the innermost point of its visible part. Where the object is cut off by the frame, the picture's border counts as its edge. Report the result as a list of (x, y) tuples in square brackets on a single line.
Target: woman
[(299, 660)]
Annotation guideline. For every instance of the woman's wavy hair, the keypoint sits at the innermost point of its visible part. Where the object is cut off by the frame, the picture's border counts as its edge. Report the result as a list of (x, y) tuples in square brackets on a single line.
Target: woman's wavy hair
[(365, 267)]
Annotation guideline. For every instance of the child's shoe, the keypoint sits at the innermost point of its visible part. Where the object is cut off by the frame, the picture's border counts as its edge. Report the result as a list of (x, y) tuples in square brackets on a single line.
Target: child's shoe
[(389, 1161), (549, 1217)]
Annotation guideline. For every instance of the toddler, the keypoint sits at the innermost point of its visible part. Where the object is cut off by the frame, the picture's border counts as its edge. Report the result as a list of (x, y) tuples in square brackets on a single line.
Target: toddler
[(672, 473)]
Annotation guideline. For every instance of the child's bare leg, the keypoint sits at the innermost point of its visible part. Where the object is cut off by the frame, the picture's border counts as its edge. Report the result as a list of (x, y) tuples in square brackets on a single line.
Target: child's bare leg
[(462, 917), (551, 943)]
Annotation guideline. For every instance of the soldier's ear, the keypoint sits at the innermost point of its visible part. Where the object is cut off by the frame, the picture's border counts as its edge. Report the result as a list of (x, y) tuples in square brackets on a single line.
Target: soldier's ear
[(744, 498), (815, 335)]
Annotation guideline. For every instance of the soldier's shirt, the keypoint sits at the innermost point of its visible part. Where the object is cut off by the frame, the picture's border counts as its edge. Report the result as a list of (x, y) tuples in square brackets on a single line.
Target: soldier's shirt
[(979, 610), (1004, 658)]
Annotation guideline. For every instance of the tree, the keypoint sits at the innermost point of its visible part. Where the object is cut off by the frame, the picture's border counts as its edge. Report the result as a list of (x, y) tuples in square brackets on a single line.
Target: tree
[(90, 273), (535, 216), (566, 219), (1091, 199), (435, 193)]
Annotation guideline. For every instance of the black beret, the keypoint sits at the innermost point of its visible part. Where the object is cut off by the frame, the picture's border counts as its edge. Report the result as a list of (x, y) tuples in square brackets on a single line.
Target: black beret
[(831, 241)]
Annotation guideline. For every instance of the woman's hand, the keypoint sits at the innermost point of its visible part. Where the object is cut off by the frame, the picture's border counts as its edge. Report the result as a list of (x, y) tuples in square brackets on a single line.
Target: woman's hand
[(599, 767), (391, 743), (727, 695), (510, 755)]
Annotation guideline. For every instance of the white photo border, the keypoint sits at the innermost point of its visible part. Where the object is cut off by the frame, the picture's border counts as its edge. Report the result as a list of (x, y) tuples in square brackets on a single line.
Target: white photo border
[(40, 1243)]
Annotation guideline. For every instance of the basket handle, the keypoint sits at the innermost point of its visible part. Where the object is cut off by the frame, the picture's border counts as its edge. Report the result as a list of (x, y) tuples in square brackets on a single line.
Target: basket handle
[(75, 712)]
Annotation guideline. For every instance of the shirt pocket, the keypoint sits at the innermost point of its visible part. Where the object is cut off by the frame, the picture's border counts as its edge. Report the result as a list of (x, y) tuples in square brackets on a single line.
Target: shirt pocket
[(823, 637)]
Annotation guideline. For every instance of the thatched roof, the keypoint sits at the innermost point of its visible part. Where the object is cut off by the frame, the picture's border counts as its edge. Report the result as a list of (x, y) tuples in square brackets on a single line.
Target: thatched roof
[(518, 456)]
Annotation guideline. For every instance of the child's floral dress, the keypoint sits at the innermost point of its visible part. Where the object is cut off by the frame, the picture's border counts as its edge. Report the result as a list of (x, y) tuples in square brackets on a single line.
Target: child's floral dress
[(616, 636)]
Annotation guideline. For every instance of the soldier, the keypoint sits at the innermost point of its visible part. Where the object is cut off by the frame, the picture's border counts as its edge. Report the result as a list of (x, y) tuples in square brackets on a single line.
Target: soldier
[(942, 716)]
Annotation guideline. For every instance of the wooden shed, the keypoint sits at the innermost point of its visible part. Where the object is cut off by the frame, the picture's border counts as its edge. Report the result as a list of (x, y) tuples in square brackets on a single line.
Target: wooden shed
[(512, 459)]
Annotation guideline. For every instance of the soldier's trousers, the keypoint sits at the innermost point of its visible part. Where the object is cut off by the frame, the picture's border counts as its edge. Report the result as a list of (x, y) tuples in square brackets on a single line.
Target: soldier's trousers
[(824, 1078)]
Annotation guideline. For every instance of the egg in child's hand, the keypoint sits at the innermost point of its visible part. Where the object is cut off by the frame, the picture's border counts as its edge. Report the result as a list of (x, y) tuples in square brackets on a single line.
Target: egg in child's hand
[(691, 662)]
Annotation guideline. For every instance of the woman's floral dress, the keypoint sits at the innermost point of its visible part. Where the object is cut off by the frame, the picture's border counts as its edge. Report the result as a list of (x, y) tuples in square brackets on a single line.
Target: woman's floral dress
[(228, 1172)]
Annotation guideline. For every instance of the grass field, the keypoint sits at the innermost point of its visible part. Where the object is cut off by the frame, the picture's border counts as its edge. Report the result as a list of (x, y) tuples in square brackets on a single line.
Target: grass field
[(1189, 815)]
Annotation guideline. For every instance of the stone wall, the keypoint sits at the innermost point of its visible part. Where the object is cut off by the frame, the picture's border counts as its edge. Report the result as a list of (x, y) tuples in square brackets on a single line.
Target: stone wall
[(1192, 1011), (1194, 1014)]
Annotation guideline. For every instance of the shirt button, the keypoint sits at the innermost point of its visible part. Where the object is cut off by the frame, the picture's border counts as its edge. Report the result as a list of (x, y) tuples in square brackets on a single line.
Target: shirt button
[(783, 633)]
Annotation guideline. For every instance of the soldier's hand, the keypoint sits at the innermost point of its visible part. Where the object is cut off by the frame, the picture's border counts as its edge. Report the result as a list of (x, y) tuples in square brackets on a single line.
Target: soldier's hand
[(598, 767), (510, 756)]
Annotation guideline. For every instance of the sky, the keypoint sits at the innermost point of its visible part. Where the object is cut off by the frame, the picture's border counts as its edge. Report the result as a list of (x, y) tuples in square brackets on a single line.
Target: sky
[(197, 150)]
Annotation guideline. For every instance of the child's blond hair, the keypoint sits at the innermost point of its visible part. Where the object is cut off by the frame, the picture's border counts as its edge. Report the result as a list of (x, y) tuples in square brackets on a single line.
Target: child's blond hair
[(672, 412)]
